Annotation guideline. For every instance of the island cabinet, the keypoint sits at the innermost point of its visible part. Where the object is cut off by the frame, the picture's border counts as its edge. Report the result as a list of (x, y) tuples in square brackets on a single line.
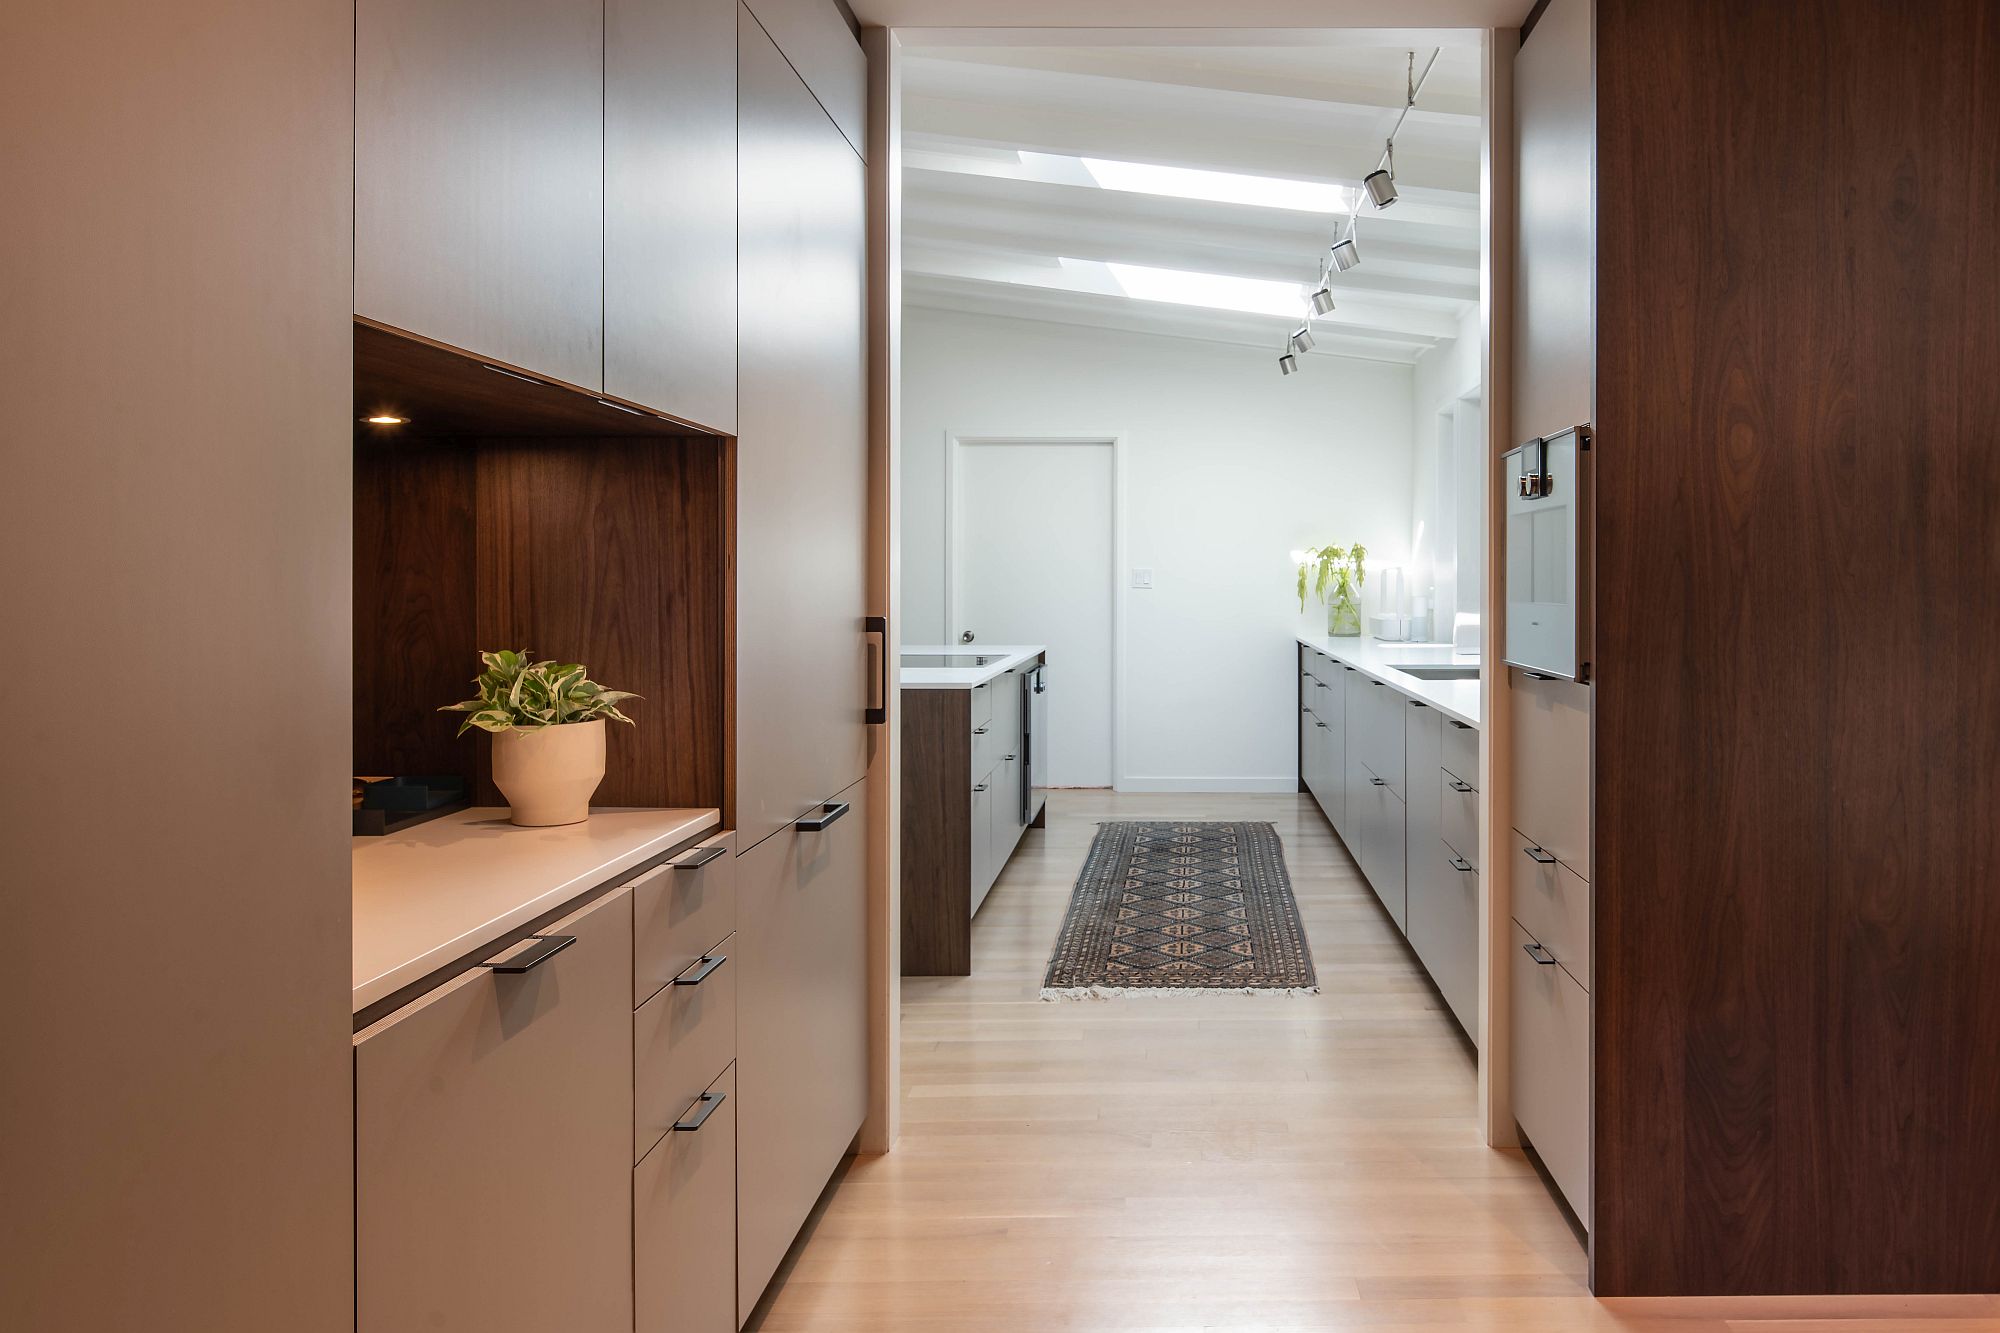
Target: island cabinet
[(966, 803)]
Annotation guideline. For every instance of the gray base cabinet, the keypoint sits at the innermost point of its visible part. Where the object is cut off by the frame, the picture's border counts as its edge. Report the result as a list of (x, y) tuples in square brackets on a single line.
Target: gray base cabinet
[(1551, 1066), (493, 1146), (1375, 761), (684, 1223), (802, 1029)]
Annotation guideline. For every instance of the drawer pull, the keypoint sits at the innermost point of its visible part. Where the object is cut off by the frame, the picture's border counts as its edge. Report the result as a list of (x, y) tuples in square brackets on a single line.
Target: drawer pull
[(1460, 787), (1006, 758), (1534, 951), (829, 815), (544, 948), (1459, 863), (979, 731), (1460, 725), (701, 969), (1321, 725), (1378, 782), (699, 857), (980, 787), (700, 1110), (1539, 857)]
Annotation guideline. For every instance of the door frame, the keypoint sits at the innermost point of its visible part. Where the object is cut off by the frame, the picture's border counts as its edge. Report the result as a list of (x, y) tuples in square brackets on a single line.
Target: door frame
[(954, 442)]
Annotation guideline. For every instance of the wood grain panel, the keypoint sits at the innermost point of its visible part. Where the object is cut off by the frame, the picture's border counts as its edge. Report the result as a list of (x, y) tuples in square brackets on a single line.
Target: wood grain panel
[(611, 553), (415, 646), (937, 833), (1798, 714)]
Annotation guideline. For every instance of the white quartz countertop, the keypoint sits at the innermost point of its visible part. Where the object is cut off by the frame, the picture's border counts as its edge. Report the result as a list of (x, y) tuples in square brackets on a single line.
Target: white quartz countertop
[(430, 895), (1372, 657), (1005, 657)]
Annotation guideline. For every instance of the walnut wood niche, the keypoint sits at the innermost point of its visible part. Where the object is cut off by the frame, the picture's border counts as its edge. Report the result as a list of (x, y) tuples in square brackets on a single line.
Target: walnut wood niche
[(528, 515)]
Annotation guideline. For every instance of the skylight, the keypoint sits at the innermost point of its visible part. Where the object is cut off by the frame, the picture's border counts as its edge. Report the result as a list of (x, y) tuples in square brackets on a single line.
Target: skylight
[(1215, 291), (1225, 187)]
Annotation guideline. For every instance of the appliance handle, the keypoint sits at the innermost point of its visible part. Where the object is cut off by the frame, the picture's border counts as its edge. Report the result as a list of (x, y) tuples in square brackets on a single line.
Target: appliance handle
[(876, 715)]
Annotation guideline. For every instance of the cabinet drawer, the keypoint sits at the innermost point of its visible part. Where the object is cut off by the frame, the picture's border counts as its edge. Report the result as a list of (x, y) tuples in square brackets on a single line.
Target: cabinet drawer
[(492, 1123), (982, 704), (1551, 1068), (684, 1222), (1458, 817), (1461, 751), (1553, 903), (681, 1039), (679, 910)]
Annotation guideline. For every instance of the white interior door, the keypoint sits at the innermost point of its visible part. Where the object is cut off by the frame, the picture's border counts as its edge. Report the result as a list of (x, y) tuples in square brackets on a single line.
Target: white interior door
[(1032, 550)]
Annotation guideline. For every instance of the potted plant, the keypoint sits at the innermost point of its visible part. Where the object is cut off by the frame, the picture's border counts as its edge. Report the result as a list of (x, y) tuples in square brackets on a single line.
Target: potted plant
[(1335, 574), (547, 721)]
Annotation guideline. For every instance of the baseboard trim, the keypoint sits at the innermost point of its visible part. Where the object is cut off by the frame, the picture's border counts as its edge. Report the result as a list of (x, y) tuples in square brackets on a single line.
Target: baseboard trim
[(1216, 786)]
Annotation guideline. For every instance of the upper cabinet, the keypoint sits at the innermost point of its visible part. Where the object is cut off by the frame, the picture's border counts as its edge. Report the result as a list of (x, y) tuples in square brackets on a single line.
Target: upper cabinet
[(670, 207), (816, 41), (479, 177)]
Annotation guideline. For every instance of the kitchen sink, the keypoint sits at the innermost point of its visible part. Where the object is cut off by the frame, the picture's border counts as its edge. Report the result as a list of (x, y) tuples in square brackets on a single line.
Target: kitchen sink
[(1440, 672)]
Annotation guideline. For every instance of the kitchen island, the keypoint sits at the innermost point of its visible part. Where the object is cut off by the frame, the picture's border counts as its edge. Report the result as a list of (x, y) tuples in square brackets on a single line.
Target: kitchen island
[(974, 731)]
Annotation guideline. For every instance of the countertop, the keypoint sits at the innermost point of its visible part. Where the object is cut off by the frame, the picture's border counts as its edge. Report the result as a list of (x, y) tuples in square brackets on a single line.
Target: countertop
[(1372, 657), (430, 895), (1005, 658)]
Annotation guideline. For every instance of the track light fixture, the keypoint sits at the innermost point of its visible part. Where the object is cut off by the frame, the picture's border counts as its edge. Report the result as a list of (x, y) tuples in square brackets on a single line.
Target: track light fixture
[(1288, 364), (1381, 182), (1302, 338), (1322, 298), (1345, 253)]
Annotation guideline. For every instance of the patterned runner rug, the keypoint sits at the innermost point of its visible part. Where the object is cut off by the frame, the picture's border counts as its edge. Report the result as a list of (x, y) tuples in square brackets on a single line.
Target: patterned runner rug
[(1181, 907)]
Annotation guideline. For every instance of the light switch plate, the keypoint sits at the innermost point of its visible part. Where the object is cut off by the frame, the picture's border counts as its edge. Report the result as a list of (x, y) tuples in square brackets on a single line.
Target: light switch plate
[(1142, 578)]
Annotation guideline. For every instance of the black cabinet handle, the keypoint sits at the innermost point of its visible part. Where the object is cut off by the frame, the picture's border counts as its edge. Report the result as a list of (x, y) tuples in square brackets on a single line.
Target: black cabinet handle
[(700, 1110), (980, 787), (1459, 863), (876, 715), (979, 731), (1536, 952), (703, 966), (1539, 857), (1460, 725), (1415, 704), (1460, 787), (829, 815), (699, 857), (1006, 758), (544, 948), (1378, 782), (1321, 725)]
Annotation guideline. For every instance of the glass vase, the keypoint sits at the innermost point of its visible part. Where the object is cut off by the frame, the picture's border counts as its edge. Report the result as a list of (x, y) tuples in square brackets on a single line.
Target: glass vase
[(1343, 619)]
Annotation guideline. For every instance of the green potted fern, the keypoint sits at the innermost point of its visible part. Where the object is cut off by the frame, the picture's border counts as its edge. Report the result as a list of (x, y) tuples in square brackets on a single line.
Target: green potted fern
[(547, 722), (1335, 575)]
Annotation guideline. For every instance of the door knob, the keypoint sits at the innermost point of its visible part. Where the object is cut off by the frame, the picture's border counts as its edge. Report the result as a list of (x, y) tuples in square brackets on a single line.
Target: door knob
[(965, 637)]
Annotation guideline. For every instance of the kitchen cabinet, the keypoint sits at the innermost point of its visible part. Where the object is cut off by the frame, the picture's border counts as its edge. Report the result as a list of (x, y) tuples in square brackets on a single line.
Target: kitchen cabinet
[(965, 808), (493, 1143), (670, 207), (816, 41), (1551, 1065), (802, 457), (683, 1221), (802, 1028), (1552, 902), (479, 177)]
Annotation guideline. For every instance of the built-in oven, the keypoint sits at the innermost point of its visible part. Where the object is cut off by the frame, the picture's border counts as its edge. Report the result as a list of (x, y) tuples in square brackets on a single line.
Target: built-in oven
[(1548, 556), (1034, 741)]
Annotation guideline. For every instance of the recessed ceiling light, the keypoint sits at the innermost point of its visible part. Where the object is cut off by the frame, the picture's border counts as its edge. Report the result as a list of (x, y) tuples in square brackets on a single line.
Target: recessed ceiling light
[(1217, 291), (1222, 187), (386, 419)]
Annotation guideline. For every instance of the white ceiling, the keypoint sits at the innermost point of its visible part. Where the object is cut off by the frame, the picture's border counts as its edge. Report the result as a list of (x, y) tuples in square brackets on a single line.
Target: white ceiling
[(1000, 217)]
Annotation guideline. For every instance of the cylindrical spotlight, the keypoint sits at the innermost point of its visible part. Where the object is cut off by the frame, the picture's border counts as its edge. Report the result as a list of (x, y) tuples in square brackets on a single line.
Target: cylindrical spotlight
[(1345, 254), (1322, 300), (1288, 363), (1381, 188), (1302, 340)]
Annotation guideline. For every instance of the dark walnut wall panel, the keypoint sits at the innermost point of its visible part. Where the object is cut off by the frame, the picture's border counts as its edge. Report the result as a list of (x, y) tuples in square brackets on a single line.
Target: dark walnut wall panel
[(1798, 635)]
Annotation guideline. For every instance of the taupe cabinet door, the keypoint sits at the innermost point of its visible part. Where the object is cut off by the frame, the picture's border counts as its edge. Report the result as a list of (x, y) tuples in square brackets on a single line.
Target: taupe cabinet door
[(802, 1029), (670, 206), (684, 1224), (479, 177), (802, 460), (493, 1146)]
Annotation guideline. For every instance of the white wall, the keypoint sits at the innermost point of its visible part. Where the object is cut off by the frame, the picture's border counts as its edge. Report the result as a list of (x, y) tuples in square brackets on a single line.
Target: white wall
[(1227, 468), (1445, 474)]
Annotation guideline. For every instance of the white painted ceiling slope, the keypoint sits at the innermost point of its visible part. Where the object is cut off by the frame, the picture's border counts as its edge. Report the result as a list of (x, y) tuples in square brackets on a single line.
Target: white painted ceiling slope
[(1017, 199)]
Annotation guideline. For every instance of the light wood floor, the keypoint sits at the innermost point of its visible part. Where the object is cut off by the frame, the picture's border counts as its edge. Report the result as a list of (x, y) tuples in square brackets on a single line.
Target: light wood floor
[(1211, 1162)]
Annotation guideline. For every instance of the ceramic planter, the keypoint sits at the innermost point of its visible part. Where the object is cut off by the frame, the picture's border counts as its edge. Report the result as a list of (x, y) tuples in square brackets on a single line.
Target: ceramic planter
[(548, 775)]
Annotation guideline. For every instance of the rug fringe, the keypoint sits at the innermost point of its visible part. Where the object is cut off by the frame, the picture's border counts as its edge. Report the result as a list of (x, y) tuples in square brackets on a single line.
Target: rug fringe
[(1123, 992)]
